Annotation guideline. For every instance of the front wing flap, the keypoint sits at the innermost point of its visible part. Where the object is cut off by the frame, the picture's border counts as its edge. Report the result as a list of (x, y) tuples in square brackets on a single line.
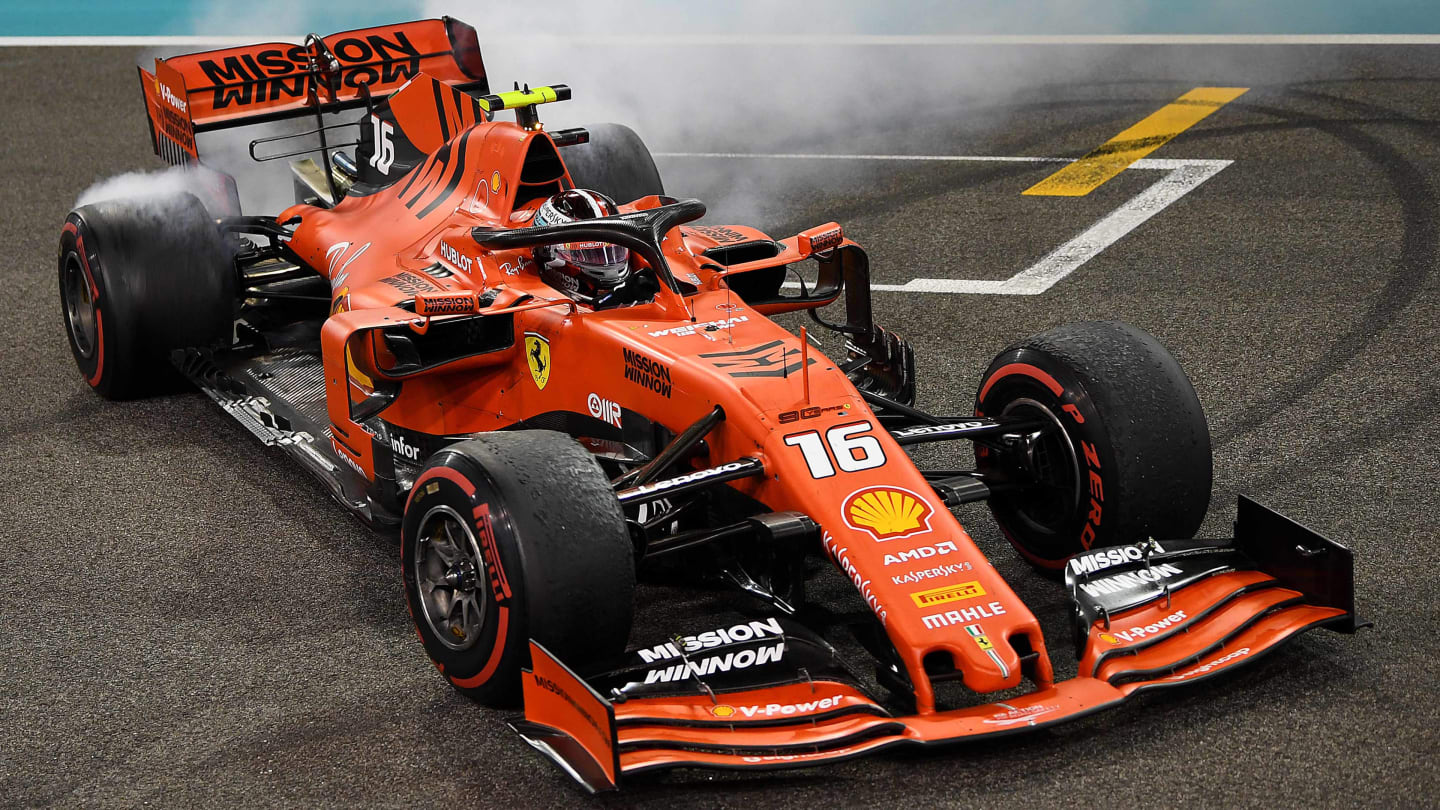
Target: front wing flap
[(1149, 615)]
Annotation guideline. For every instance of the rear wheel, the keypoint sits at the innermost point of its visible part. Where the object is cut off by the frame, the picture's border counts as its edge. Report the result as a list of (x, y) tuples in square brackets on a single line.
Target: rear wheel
[(138, 278), (1122, 449), (510, 537), (614, 162)]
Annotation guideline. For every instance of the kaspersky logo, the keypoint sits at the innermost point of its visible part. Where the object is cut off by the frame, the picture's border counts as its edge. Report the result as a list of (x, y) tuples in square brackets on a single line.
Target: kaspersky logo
[(887, 513)]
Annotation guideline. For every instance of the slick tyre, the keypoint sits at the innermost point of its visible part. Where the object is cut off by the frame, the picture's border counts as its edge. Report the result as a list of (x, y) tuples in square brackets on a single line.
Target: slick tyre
[(614, 162), (1129, 456), (510, 537), (138, 278)]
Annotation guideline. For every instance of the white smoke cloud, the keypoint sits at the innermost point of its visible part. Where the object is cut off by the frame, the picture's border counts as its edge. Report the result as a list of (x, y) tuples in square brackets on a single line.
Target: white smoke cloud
[(136, 184), (205, 185), (675, 94), (743, 76), (753, 76)]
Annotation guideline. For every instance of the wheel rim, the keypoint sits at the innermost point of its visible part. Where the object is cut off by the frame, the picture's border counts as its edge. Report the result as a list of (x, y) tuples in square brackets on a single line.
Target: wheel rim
[(449, 571), (1050, 506), (79, 307)]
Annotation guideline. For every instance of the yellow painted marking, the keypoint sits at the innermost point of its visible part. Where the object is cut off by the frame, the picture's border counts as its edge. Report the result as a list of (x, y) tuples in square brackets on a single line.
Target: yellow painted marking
[(1154, 131)]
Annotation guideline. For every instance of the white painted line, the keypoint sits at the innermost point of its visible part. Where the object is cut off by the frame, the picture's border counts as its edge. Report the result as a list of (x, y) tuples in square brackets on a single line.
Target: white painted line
[(1182, 175), (785, 156), (781, 40), (1066, 259)]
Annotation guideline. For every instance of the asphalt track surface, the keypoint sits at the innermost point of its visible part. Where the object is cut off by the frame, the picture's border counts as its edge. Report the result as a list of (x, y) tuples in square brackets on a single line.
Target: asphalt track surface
[(188, 619)]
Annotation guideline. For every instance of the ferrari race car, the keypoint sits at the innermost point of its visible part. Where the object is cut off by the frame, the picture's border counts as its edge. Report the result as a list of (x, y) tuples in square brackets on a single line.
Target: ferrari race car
[(395, 333)]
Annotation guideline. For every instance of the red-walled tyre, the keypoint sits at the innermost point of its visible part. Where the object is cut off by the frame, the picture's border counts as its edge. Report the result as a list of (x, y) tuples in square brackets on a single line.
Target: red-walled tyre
[(1131, 456), (138, 278), (508, 537)]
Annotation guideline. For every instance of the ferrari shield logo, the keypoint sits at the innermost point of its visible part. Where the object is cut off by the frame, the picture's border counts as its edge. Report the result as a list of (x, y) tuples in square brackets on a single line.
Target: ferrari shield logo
[(537, 354)]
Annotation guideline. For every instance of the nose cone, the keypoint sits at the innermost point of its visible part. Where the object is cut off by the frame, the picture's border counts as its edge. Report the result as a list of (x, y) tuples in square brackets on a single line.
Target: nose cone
[(1000, 666), (977, 644)]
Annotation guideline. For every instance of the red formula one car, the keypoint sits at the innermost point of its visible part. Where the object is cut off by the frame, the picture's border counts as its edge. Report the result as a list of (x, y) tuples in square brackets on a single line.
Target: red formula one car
[(412, 333)]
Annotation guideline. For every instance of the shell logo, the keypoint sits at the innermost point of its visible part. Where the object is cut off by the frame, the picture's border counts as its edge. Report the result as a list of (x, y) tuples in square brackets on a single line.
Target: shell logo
[(887, 513), (722, 710), (495, 182), (1109, 639)]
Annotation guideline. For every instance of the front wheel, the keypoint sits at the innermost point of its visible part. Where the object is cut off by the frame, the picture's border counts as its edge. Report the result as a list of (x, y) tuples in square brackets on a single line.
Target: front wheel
[(508, 537), (1121, 448)]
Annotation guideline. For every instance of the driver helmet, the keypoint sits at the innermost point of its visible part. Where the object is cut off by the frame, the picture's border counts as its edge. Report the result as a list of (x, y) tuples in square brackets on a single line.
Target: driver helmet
[(587, 268)]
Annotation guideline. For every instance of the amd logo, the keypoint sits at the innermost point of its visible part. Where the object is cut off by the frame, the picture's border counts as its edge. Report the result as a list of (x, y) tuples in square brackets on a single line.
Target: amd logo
[(921, 553)]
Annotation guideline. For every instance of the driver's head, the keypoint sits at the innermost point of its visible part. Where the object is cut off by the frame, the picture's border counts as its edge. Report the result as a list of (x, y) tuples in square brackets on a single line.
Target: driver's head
[(588, 268)]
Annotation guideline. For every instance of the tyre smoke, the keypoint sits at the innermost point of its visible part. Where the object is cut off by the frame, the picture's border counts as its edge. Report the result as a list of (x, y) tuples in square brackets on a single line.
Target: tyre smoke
[(755, 76), (140, 184), (764, 77)]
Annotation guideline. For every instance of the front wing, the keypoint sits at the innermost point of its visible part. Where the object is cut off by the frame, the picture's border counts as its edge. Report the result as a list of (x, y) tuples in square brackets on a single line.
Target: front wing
[(1147, 616)]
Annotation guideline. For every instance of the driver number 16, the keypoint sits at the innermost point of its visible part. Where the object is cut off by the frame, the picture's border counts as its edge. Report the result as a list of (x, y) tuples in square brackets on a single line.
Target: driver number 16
[(850, 448)]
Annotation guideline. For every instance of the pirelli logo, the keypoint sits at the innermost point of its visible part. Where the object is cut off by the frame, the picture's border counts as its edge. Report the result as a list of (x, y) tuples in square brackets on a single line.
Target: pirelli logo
[(948, 593)]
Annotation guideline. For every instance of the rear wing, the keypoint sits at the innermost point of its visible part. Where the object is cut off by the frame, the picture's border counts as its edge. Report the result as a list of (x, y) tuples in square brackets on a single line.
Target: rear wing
[(272, 81)]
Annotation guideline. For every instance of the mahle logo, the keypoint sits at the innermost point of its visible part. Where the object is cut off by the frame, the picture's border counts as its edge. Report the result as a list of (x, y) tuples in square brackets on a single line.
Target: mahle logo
[(922, 552)]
